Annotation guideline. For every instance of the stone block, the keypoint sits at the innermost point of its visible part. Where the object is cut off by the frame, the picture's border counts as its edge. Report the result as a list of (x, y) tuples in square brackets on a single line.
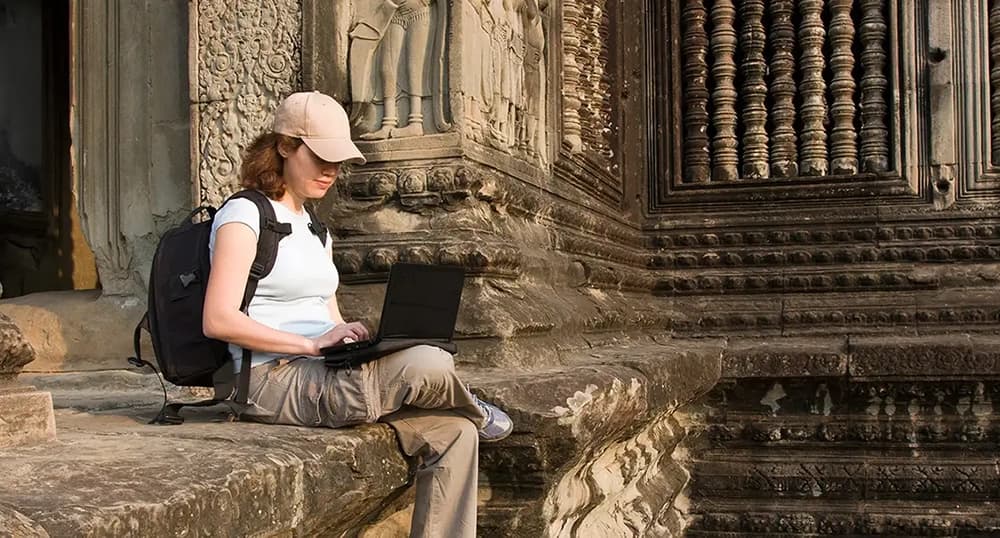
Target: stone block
[(25, 416), (64, 326), (114, 475)]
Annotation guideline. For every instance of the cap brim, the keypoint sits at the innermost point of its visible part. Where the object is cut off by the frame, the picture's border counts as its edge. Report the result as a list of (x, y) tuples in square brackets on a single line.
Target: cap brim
[(335, 150)]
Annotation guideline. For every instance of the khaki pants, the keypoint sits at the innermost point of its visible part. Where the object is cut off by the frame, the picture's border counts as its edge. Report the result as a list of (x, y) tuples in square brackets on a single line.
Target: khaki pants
[(417, 392)]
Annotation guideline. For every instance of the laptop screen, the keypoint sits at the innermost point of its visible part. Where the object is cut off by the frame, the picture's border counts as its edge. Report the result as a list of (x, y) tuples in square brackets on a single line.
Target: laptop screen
[(422, 301)]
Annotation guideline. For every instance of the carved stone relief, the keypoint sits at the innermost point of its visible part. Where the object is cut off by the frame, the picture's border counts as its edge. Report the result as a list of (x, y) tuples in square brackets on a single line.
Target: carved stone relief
[(397, 68), (796, 455), (782, 88), (247, 61), (504, 85)]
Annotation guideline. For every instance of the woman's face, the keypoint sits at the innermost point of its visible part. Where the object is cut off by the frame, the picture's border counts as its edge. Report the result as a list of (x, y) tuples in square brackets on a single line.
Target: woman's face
[(306, 175)]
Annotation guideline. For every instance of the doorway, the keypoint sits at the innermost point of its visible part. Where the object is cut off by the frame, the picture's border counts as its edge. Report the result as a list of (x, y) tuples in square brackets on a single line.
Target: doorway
[(41, 247)]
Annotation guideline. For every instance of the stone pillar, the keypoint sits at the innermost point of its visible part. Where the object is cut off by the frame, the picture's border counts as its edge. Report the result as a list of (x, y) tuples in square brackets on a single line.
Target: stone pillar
[(25, 414), (131, 122)]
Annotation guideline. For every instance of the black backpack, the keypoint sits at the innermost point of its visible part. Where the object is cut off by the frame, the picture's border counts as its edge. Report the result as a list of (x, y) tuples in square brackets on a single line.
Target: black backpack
[(177, 283)]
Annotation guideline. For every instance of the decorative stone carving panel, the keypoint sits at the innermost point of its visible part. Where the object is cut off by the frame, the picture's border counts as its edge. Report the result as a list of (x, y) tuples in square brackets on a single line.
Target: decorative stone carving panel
[(396, 65), (589, 103), (504, 89), (246, 59), (765, 98), (801, 456)]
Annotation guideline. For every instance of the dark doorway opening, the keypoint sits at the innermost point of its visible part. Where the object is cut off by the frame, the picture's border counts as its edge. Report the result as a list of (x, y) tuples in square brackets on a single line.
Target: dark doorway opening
[(37, 247)]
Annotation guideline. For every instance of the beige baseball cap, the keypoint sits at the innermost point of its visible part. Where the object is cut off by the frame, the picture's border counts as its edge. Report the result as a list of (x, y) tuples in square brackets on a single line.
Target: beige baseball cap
[(321, 123)]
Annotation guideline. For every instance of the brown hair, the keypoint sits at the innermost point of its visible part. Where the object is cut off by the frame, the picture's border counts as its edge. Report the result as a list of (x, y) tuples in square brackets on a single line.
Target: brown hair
[(263, 165)]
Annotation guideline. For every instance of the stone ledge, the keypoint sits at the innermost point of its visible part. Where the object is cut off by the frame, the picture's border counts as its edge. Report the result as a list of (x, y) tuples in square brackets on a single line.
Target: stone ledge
[(909, 357), (113, 475), (570, 466), (110, 474)]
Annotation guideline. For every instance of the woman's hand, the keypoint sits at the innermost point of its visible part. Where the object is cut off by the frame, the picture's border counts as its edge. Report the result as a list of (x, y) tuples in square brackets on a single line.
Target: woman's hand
[(354, 330)]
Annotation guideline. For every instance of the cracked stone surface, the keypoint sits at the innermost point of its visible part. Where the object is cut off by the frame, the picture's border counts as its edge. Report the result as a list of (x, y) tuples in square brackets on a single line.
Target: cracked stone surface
[(111, 474)]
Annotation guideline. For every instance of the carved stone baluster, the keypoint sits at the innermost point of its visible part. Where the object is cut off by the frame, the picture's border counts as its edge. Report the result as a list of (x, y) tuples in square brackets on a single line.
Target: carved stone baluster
[(695, 47), (754, 68), (843, 139), (784, 153), (725, 152), (571, 78), (813, 90), (874, 134), (995, 79), (605, 88), (591, 38), (584, 58)]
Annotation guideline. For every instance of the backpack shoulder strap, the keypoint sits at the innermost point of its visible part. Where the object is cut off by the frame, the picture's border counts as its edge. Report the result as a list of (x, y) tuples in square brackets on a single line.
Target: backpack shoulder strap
[(316, 225), (271, 231)]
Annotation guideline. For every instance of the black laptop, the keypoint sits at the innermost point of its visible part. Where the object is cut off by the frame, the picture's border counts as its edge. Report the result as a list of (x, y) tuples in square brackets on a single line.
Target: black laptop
[(421, 303)]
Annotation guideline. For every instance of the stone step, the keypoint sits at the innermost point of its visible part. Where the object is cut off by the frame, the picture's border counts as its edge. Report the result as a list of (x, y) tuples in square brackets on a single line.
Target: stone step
[(578, 425), (763, 517), (111, 474)]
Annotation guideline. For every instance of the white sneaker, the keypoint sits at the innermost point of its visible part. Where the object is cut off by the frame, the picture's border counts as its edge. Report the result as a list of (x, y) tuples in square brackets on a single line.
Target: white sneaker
[(498, 424)]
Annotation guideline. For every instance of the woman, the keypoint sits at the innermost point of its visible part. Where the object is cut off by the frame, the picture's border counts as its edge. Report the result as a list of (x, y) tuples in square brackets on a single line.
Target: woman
[(294, 313)]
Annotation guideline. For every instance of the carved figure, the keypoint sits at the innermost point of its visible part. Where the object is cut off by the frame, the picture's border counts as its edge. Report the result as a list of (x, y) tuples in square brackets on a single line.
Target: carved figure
[(504, 86), (381, 35), (534, 43), (476, 68)]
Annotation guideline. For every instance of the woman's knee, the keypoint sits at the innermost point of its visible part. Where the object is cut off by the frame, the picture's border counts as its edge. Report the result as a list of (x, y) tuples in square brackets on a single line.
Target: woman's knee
[(428, 363), (462, 432)]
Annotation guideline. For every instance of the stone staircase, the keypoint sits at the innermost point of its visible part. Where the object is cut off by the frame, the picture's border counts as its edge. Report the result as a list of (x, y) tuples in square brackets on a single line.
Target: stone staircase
[(852, 437)]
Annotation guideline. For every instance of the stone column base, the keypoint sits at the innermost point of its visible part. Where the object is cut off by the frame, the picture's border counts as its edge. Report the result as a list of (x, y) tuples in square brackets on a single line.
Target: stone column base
[(26, 416)]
